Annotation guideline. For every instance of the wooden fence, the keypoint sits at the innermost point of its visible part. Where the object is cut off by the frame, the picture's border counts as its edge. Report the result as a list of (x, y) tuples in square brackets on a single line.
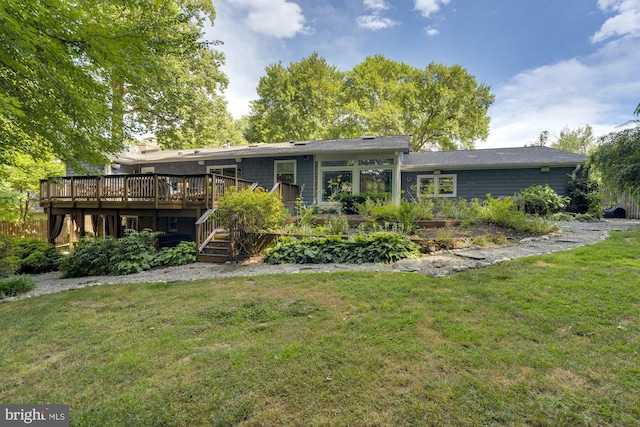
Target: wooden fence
[(629, 202), (36, 228)]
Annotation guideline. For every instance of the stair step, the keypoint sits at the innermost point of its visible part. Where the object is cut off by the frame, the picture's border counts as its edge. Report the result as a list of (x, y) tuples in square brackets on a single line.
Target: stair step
[(220, 259)]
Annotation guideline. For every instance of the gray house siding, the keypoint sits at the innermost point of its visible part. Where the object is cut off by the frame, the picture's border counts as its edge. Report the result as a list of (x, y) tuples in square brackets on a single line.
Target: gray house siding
[(497, 182), (260, 170)]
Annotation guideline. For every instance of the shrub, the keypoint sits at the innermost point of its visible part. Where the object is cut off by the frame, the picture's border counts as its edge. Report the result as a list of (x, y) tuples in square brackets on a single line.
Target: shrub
[(36, 256), (584, 195), (379, 247), (337, 224), (183, 253), (504, 211), (406, 214), (27, 256), (132, 253), (247, 214), (15, 285), (542, 201), (350, 202)]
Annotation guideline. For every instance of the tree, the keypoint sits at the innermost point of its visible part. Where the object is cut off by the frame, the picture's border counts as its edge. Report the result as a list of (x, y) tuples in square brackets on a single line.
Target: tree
[(298, 102), (580, 140), (542, 140), (617, 159), (442, 107), (20, 185), (79, 78)]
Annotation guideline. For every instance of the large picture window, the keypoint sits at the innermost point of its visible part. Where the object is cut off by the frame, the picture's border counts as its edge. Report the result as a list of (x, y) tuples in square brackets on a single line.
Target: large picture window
[(355, 176), (437, 186)]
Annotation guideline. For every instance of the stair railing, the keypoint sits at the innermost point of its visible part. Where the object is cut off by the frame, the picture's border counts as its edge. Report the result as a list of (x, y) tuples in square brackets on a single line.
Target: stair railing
[(205, 229)]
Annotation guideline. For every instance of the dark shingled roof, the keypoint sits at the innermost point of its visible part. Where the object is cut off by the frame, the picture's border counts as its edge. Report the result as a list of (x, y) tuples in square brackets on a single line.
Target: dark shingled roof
[(294, 148), (494, 158)]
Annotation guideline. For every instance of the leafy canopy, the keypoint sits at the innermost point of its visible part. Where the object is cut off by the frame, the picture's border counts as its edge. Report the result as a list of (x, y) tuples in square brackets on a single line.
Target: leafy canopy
[(617, 159), (443, 107), (78, 79)]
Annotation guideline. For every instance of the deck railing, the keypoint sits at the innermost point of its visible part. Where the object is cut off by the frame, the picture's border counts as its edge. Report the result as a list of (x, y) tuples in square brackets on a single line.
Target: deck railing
[(288, 192), (152, 188)]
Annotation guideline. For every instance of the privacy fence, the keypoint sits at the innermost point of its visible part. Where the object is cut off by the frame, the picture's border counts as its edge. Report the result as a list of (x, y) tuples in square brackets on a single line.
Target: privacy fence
[(36, 228), (630, 202)]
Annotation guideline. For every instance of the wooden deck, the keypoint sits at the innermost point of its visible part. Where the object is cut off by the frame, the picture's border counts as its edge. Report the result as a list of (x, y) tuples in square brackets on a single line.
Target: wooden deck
[(148, 191)]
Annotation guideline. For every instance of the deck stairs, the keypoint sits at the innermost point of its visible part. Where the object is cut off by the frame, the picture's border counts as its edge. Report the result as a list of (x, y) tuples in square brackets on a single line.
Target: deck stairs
[(217, 250)]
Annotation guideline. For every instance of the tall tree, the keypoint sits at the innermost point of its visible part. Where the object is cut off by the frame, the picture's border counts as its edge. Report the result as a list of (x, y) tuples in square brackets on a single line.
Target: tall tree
[(79, 78), (442, 107), (617, 159), (580, 140), (20, 185), (299, 102)]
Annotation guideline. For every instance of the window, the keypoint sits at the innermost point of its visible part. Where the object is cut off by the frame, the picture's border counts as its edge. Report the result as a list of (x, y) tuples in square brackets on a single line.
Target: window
[(437, 185), (335, 184), (148, 169), (285, 171), (375, 181), (230, 171), (355, 176)]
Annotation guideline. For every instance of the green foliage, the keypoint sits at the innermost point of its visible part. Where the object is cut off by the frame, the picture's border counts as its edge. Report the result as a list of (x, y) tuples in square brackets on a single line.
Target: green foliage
[(249, 213), (441, 106), (350, 202), (539, 200), (337, 224), (133, 253), (406, 214), (9, 263), (444, 238), (580, 140), (103, 71), (262, 211), (183, 253), (458, 208), (27, 256), (379, 247), (15, 285), (504, 211), (617, 160), (584, 195)]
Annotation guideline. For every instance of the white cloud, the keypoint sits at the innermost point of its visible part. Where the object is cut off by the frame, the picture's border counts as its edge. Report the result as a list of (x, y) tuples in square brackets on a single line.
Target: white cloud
[(375, 22), (431, 31), (428, 7), (377, 5), (276, 18), (598, 90), (626, 22)]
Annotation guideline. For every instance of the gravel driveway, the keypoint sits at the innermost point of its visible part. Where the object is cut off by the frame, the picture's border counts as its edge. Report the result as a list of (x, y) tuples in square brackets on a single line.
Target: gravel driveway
[(573, 234)]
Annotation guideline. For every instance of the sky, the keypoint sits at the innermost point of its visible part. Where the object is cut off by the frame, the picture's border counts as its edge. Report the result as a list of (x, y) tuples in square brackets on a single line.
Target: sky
[(551, 64)]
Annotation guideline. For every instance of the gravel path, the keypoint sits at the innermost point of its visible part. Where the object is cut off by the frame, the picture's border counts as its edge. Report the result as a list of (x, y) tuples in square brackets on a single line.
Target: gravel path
[(573, 234)]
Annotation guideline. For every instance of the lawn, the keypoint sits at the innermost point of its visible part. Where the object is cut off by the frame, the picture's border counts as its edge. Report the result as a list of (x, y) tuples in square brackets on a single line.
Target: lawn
[(547, 340)]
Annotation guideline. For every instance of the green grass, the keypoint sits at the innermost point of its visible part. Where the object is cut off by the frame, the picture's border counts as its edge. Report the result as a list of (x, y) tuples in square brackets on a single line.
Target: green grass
[(550, 340)]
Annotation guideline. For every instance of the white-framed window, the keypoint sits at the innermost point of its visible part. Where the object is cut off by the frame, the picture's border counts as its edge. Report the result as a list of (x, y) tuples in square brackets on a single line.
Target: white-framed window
[(148, 169), (437, 185), (285, 171), (225, 170), (355, 176)]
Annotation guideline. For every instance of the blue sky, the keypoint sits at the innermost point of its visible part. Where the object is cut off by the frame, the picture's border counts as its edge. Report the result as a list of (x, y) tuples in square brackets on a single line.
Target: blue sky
[(550, 63)]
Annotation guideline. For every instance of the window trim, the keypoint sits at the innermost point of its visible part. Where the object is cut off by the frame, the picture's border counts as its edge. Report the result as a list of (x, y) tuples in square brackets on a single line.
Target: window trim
[(436, 179), (295, 169)]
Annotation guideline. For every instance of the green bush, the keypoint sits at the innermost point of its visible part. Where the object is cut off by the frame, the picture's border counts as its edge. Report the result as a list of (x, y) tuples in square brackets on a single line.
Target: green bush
[(36, 256), (27, 256), (337, 224), (379, 247), (584, 195), (406, 214), (504, 211), (15, 285), (542, 201), (262, 211), (183, 253), (458, 209), (133, 253), (350, 202)]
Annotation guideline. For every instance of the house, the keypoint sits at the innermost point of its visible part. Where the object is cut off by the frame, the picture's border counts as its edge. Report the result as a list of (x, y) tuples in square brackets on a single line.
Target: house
[(175, 190)]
